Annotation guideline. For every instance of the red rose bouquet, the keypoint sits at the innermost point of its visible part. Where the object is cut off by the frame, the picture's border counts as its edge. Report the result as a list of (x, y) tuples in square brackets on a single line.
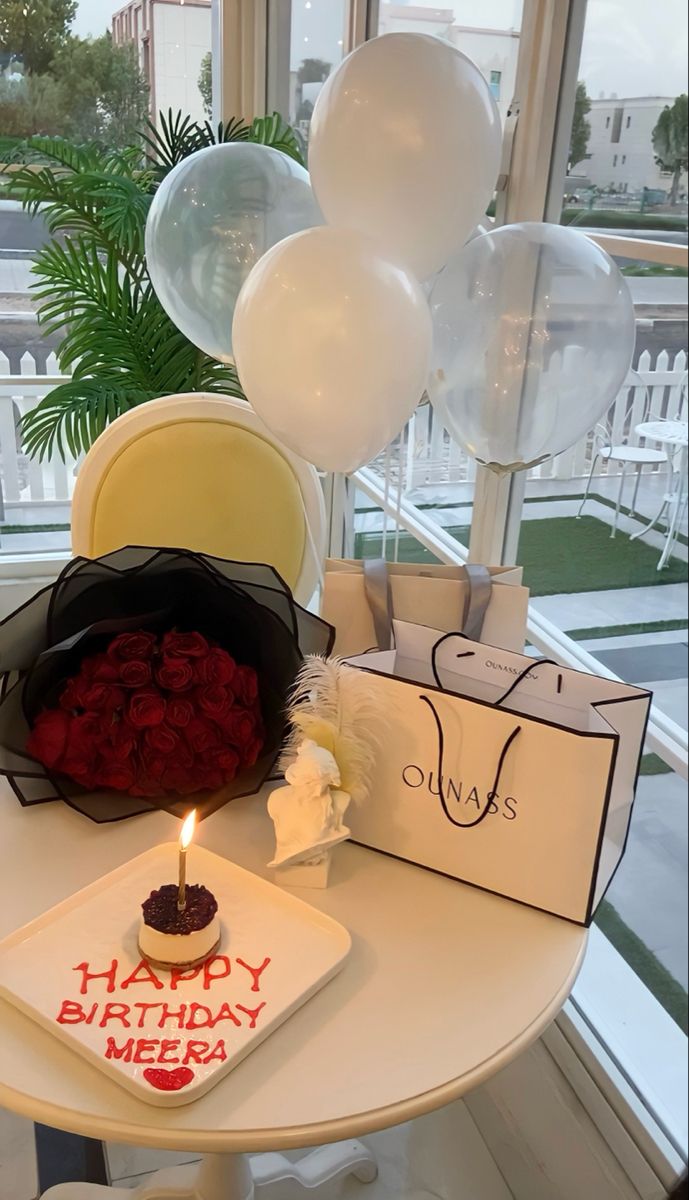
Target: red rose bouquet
[(147, 674), (153, 714)]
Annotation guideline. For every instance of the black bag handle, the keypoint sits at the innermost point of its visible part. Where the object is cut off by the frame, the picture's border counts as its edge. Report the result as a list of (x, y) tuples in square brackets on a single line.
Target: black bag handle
[(441, 753), (537, 662)]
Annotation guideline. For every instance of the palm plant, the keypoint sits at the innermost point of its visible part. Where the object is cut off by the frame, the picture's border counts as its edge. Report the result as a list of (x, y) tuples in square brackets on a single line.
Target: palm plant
[(118, 344)]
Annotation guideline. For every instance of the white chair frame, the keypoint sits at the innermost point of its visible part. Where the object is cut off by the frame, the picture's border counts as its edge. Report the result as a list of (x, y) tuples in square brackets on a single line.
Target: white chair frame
[(204, 406), (636, 456)]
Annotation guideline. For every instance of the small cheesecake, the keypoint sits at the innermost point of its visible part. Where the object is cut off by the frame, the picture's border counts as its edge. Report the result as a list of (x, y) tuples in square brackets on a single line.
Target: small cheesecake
[(169, 937)]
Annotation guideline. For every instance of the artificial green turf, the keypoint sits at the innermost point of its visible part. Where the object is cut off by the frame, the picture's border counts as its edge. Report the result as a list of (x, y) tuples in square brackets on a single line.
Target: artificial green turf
[(32, 529), (653, 764), (560, 555), (591, 632), (644, 963)]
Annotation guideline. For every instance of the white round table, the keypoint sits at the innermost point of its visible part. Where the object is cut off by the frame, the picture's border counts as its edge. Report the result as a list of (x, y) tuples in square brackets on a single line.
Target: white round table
[(445, 986), (674, 434)]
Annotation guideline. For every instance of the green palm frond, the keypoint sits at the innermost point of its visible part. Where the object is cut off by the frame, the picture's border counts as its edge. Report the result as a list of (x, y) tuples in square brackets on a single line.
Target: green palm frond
[(175, 140), (274, 131), (61, 151), (92, 284), (74, 414)]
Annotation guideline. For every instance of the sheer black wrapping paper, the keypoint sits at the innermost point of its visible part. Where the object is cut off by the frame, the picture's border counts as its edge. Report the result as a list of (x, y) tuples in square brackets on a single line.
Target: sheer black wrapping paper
[(245, 607)]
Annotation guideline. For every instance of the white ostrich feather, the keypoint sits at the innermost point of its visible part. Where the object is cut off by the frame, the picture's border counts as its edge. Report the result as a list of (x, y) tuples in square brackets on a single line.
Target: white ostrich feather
[(335, 705)]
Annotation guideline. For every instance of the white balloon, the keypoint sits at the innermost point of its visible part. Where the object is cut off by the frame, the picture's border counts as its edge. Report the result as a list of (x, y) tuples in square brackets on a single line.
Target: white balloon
[(405, 145), (533, 336), (211, 219), (332, 345)]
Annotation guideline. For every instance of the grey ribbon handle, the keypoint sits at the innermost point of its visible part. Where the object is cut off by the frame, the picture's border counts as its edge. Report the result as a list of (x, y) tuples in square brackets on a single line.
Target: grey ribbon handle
[(379, 597), (478, 600)]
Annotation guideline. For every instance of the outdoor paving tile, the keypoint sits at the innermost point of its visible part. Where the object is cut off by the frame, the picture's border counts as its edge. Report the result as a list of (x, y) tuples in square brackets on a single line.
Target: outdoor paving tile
[(637, 664)]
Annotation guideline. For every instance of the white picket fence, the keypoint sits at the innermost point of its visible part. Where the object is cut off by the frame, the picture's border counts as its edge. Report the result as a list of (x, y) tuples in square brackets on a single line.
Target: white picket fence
[(654, 391), (425, 453), (25, 481)]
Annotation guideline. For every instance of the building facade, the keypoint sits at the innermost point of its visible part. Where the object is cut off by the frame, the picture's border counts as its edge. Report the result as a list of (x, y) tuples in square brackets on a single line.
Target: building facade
[(172, 37), (494, 50), (620, 149)]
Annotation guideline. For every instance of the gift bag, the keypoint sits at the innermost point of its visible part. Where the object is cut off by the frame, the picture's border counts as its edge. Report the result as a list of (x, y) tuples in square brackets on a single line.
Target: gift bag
[(362, 597), (514, 775)]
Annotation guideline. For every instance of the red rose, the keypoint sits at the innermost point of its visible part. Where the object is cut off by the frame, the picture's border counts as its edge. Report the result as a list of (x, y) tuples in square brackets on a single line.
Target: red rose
[(177, 779), (152, 764), (135, 673), (132, 647), (175, 674), (179, 712), (246, 685), (202, 735), (252, 751), (218, 668), (121, 740), (185, 645), (146, 708), (215, 702), (239, 726), (102, 698), (226, 760), (73, 693), (48, 737), (81, 751), (100, 669), (162, 738), (116, 775)]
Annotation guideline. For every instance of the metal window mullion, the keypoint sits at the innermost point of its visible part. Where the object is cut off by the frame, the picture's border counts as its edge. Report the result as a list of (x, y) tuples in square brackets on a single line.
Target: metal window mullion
[(239, 58), (542, 90)]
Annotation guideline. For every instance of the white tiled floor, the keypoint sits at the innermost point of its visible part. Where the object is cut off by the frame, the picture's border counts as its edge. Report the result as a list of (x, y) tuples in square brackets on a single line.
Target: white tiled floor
[(440, 1157), (18, 1175)]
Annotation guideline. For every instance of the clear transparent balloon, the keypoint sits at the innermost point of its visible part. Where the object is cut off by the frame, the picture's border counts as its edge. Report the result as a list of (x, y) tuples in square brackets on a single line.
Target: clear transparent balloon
[(533, 336), (211, 220)]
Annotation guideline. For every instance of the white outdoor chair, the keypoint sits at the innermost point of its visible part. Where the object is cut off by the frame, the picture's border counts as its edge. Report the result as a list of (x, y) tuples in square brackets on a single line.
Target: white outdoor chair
[(201, 472), (605, 449)]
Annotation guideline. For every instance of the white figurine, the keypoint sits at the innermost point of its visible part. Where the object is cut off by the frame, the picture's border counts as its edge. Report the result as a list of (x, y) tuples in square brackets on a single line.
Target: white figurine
[(335, 731), (308, 812)]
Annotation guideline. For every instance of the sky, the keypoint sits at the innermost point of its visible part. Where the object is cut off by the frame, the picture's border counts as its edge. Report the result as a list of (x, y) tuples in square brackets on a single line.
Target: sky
[(631, 47)]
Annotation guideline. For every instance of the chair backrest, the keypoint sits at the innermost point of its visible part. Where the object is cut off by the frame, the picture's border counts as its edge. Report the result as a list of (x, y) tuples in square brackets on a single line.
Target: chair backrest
[(202, 472)]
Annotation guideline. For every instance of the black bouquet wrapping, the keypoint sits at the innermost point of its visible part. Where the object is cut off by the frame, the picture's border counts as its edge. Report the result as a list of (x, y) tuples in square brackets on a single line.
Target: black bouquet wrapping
[(244, 608)]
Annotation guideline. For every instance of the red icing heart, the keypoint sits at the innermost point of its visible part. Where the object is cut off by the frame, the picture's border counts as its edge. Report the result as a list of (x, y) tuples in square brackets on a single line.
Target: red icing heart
[(168, 1081)]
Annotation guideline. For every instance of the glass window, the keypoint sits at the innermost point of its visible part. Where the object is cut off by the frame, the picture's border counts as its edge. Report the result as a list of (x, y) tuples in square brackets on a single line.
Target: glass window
[(618, 584), (93, 79), (488, 32), (316, 46)]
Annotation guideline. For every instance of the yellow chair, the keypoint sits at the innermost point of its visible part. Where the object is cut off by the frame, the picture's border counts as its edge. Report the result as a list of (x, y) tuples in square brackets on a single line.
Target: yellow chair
[(201, 472)]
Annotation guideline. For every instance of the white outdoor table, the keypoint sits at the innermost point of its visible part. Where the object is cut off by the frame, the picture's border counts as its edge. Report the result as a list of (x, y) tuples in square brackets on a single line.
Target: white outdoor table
[(445, 985), (674, 434)]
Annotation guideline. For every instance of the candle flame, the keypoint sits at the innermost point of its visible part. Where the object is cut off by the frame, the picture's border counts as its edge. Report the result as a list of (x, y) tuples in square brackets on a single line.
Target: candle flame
[(187, 834)]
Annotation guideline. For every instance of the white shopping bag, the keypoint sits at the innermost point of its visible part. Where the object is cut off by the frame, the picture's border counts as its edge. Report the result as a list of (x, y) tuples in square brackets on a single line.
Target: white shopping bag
[(512, 775), (362, 596)]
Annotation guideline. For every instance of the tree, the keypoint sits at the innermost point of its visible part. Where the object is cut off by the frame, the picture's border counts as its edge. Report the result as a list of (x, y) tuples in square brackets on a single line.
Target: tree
[(108, 95), (313, 70), (669, 139), (35, 104), (581, 128), (34, 30), (206, 84)]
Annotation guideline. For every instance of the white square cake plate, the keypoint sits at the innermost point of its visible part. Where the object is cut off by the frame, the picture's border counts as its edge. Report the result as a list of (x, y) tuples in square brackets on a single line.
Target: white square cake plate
[(169, 1037)]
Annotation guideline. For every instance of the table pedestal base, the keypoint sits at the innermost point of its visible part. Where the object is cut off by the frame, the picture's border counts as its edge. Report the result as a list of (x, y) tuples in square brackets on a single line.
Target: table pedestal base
[(235, 1177)]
